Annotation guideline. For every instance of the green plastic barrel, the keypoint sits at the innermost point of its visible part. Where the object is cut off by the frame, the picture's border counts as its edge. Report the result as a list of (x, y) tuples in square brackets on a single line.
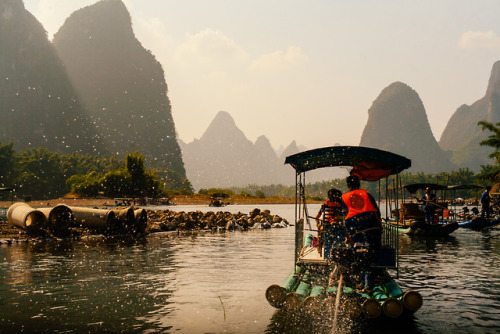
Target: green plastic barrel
[(312, 303)]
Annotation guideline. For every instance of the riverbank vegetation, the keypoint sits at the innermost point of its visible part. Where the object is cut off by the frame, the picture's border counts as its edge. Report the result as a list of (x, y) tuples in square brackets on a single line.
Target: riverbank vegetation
[(38, 174), (41, 174)]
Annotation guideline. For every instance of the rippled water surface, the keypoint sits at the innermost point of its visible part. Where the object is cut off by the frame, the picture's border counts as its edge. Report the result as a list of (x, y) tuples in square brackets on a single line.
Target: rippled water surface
[(215, 283)]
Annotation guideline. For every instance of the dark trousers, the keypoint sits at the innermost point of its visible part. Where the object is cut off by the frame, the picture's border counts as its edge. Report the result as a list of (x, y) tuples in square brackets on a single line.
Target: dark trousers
[(485, 211)]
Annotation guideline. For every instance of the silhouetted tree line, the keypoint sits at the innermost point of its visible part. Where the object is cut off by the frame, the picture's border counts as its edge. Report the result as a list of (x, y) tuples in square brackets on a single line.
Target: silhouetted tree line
[(41, 174)]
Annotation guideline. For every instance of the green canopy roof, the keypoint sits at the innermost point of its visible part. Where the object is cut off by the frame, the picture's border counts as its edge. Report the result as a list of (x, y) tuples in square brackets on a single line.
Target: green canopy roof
[(368, 163), (414, 187), (465, 186)]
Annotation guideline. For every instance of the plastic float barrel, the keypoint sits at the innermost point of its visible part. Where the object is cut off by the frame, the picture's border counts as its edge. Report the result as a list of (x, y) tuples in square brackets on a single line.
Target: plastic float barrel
[(293, 299), (379, 292), (392, 289), (392, 307), (308, 240), (24, 216), (371, 308), (412, 300), (141, 220), (351, 308), (125, 218), (328, 304), (312, 303), (59, 218), (275, 294), (94, 218), (299, 237)]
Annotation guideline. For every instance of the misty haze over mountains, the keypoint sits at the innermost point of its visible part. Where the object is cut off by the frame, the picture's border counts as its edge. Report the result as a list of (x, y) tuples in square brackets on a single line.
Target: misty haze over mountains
[(95, 89)]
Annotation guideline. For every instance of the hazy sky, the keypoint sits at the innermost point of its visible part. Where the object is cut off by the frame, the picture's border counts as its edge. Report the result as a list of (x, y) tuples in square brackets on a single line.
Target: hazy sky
[(308, 70)]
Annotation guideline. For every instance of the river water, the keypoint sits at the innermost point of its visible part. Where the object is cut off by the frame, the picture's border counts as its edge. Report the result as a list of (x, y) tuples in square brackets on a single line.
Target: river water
[(215, 283)]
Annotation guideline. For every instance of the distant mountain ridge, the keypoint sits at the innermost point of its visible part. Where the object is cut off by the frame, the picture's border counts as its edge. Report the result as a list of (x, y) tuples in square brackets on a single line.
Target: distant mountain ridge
[(462, 135), (39, 106), (120, 83), (224, 157), (397, 122)]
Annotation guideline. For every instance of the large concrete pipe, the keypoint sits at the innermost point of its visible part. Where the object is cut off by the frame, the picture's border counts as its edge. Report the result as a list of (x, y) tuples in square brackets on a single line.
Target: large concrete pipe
[(59, 218), (126, 219), (141, 220), (94, 218), (24, 216)]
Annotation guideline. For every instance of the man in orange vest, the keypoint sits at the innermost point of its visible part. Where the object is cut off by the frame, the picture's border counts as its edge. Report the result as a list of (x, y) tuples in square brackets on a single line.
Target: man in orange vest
[(329, 228), (363, 226)]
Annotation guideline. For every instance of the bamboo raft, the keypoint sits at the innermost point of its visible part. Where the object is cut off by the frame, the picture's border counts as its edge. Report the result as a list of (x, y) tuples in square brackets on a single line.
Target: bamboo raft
[(310, 290), (330, 286)]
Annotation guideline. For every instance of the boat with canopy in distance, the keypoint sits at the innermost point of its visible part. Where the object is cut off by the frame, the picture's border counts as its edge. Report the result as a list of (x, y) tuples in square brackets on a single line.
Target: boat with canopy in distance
[(328, 284), (472, 219), (408, 214)]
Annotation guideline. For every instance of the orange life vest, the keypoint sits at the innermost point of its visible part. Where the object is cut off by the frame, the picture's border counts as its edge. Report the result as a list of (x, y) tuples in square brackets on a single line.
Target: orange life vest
[(332, 210), (357, 201)]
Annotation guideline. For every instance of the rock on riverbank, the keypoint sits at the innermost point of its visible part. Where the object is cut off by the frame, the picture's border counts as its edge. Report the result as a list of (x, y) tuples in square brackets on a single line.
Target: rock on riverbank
[(167, 220)]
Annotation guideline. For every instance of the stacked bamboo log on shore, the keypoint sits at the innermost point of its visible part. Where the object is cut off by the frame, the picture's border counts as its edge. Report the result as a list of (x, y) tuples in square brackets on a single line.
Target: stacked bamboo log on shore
[(307, 291), (60, 218)]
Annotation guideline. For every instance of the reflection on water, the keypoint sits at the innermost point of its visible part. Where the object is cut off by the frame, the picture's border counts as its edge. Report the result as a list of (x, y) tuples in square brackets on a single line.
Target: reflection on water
[(215, 282)]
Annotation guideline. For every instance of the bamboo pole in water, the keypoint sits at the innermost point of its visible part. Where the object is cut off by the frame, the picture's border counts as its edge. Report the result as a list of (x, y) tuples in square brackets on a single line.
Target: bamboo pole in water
[(312, 303), (275, 294), (337, 301), (412, 300), (392, 307), (372, 308), (352, 308), (293, 299)]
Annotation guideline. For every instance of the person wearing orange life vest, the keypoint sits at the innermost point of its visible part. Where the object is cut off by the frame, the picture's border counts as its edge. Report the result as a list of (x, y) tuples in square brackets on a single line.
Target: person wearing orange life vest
[(363, 226), (329, 228)]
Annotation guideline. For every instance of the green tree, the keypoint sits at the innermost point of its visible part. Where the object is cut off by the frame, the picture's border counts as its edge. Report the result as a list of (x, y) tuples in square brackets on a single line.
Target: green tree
[(87, 185), (493, 139), (7, 164), (487, 172), (40, 174)]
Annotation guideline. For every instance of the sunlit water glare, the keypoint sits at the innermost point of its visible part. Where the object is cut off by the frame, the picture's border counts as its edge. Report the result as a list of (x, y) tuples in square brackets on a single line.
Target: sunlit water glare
[(215, 283)]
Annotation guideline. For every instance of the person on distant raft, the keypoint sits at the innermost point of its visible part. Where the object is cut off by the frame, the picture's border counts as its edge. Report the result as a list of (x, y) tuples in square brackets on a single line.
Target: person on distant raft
[(363, 227), (485, 203), (429, 200), (329, 228)]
